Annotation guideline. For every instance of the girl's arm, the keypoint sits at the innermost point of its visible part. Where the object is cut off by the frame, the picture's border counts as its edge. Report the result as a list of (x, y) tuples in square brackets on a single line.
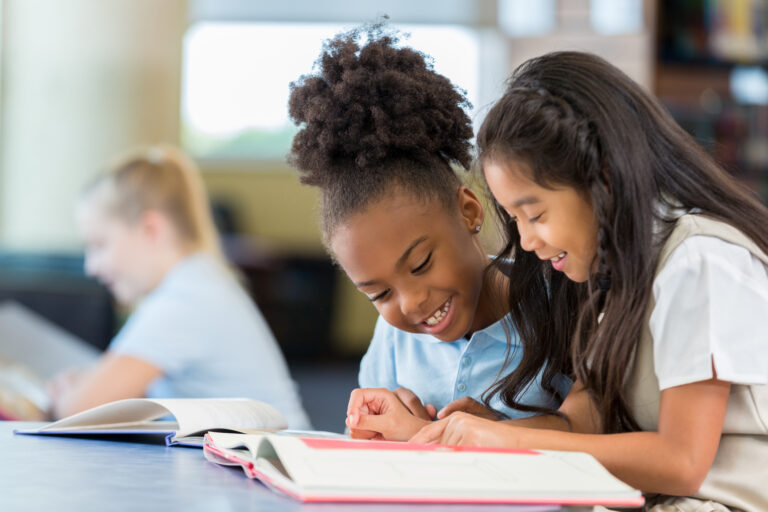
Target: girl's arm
[(114, 377), (673, 460), (469, 405), (577, 407), (382, 414)]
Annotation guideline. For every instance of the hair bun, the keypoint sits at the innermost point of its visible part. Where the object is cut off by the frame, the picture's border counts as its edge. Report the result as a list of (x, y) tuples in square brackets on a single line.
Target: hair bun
[(367, 104)]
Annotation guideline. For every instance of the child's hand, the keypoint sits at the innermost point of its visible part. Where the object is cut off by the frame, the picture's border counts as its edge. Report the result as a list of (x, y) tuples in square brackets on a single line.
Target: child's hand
[(414, 405), (357, 433), (379, 414), (468, 405), (461, 428), (63, 383)]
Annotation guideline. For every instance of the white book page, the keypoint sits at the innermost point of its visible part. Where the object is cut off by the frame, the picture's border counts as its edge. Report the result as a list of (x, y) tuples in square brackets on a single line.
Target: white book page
[(123, 415), (550, 474), (244, 445), (249, 444), (192, 416), (369, 473), (200, 415)]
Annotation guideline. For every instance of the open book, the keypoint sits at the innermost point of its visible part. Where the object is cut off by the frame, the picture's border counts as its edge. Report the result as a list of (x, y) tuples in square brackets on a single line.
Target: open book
[(345, 470), (193, 417)]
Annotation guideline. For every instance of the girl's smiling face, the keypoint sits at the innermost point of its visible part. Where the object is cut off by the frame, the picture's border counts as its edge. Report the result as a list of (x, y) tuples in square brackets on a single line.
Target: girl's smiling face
[(558, 224), (419, 263)]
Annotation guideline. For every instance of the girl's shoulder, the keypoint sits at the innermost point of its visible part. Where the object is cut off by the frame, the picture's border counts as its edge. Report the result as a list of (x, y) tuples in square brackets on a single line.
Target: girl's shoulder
[(695, 225), (198, 274), (709, 305), (711, 257)]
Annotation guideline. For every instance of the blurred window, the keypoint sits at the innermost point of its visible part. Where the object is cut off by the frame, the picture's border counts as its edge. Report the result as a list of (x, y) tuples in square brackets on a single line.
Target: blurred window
[(523, 18), (616, 17), (236, 77), (749, 85)]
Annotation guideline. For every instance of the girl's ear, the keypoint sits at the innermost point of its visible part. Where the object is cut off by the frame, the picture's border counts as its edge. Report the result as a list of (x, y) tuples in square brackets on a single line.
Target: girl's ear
[(470, 209), (155, 225)]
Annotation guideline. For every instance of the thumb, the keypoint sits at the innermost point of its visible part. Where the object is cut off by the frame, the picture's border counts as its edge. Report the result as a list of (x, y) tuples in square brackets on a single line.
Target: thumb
[(379, 423), (429, 434)]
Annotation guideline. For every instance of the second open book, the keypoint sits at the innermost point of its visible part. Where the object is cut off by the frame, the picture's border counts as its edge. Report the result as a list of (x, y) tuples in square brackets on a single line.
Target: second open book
[(182, 420), (337, 470)]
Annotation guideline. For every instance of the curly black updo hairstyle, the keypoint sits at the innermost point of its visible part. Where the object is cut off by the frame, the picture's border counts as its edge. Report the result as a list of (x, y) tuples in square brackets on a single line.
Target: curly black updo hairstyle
[(375, 116)]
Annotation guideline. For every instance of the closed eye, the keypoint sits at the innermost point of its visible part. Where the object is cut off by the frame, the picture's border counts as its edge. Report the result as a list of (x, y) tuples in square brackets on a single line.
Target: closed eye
[(531, 220), (379, 296), (423, 264)]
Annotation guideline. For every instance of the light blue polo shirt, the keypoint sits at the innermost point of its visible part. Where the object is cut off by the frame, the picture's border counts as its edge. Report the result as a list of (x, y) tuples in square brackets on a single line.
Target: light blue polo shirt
[(204, 332), (440, 372)]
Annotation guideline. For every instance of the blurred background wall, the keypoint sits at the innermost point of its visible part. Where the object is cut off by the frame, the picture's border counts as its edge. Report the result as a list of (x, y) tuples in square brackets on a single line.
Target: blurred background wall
[(81, 80)]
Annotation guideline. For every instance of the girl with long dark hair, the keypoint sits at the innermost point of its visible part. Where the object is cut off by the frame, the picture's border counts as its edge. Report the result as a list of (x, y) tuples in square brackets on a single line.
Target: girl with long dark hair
[(665, 254)]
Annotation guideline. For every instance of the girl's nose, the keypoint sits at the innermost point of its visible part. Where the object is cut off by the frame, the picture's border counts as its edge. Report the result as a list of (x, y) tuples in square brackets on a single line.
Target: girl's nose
[(412, 303), (528, 239)]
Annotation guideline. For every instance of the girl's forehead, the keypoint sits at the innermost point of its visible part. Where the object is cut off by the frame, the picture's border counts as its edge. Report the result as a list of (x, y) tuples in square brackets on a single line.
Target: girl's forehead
[(396, 207), (414, 202), (393, 218), (508, 175)]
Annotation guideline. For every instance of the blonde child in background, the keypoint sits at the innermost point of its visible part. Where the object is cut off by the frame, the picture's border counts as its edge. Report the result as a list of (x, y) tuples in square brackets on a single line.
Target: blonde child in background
[(150, 238)]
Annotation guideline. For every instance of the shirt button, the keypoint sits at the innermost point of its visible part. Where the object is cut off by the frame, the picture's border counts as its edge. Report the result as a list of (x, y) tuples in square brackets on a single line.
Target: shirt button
[(466, 360), (461, 386)]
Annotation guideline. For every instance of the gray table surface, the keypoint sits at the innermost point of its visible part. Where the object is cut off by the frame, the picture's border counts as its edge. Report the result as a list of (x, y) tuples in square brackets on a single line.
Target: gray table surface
[(139, 473)]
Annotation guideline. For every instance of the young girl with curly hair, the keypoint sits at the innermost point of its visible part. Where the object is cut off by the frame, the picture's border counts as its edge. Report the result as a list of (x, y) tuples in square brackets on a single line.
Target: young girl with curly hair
[(597, 182), (381, 133)]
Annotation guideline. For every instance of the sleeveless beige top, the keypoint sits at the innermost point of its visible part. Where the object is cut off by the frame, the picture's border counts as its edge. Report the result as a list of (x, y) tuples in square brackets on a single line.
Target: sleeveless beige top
[(739, 474)]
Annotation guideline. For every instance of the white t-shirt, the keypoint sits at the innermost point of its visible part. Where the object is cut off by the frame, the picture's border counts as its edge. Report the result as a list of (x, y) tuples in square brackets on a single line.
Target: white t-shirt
[(210, 340), (711, 307)]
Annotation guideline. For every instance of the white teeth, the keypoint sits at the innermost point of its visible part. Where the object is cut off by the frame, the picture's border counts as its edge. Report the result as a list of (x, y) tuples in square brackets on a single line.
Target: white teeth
[(438, 315), (559, 256)]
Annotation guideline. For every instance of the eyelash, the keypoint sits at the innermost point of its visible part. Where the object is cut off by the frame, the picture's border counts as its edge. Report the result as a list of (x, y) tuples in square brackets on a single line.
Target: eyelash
[(379, 296), (415, 271), (531, 220), (423, 265)]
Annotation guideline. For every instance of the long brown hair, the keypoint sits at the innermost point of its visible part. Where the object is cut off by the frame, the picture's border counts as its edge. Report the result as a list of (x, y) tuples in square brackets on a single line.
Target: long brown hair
[(575, 120)]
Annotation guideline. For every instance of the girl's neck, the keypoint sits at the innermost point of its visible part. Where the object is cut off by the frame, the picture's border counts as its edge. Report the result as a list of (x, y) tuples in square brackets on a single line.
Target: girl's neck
[(491, 306), (169, 258)]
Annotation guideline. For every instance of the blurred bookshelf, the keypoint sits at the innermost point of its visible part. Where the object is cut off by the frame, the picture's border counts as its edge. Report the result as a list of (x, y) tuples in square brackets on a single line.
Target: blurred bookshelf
[(711, 73)]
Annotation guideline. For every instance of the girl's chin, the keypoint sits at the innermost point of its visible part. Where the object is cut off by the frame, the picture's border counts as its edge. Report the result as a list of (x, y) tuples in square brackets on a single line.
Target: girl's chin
[(446, 339), (577, 275), (125, 298), (577, 278), (454, 333)]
